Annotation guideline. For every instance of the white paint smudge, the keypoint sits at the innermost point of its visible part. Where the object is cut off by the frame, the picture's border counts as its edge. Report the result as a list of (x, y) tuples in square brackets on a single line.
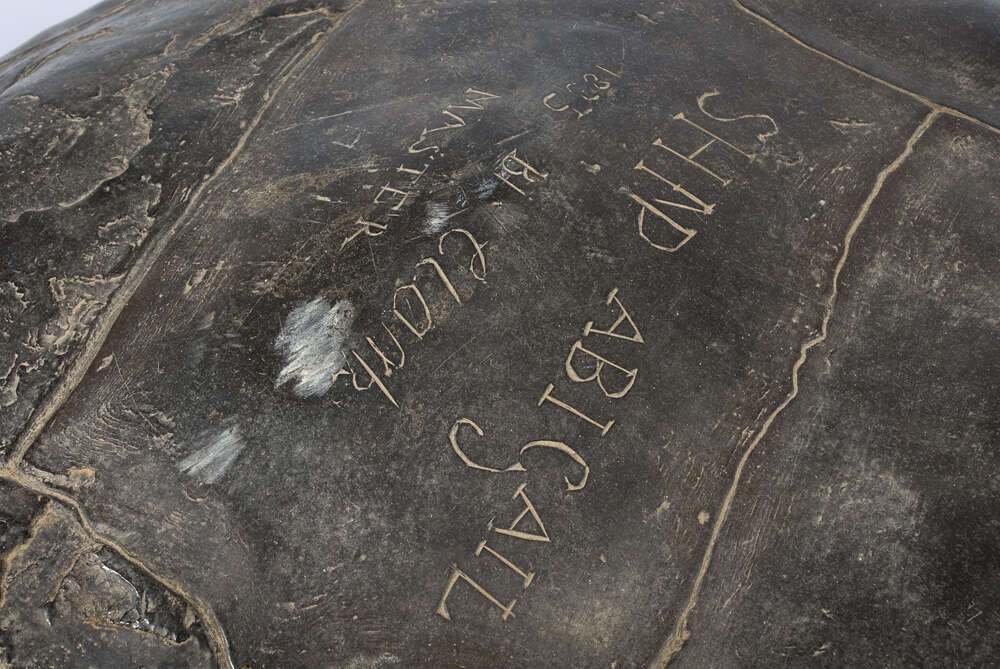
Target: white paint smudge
[(312, 342), (210, 462), (485, 189), (437, 214)]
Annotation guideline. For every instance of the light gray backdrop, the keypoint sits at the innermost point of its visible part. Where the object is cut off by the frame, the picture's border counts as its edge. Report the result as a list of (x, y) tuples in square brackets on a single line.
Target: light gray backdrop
[(20, 20)]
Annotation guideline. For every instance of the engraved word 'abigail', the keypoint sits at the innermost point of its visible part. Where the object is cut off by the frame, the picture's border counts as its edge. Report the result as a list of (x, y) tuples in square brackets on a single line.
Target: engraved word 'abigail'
[(613, 381)]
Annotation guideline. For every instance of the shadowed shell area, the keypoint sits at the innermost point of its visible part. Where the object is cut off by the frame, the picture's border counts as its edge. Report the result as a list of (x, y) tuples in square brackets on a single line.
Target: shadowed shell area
[(460, 333)]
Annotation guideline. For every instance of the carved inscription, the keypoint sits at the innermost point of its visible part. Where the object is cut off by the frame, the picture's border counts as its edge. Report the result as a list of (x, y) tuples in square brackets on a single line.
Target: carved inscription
[(392, 197), (513, 168), (577, 98), (611, 379), (667, 207), (411, 312)]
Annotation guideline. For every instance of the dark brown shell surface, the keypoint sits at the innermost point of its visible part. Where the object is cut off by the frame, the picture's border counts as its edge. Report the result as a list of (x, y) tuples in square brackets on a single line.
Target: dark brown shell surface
[(464, 333)]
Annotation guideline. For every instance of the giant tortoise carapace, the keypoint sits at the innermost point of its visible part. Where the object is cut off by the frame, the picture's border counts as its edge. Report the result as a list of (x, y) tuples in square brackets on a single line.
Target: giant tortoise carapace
[(468, 333)]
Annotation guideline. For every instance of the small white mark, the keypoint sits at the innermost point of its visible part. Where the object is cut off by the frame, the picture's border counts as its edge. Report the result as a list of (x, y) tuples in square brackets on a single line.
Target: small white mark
[(211, 461), (437, 214), (387, 659), (205, 321), (484, 189), (195, 279), (312, 341), (703, 517), (850, 123)]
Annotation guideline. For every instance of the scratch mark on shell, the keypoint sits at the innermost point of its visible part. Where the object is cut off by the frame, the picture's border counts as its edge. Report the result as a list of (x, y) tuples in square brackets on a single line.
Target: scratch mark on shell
[(312, 342), (680, 633), (210, 462)]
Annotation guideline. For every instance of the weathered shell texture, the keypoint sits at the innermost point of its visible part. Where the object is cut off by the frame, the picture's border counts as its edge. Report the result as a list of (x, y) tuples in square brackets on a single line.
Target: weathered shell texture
[(535, 333)]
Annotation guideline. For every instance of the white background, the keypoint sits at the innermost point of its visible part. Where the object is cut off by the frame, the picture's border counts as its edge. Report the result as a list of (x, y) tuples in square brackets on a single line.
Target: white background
[(20, 20)]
